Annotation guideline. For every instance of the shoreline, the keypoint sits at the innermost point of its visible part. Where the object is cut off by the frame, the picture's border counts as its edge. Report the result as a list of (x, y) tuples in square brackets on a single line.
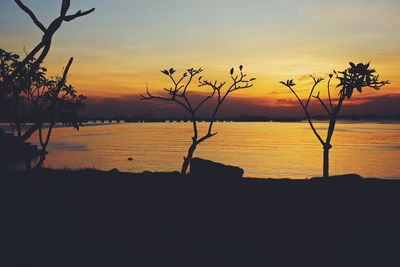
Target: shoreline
[(176, 175)]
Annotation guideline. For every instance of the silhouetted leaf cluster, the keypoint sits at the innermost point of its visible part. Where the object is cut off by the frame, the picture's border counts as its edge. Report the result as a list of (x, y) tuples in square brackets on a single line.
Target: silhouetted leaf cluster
[(169, 72), (357, 77), (288, 83)]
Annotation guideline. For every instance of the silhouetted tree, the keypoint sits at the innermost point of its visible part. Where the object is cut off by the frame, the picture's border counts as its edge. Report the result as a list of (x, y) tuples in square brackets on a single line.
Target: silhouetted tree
[(178, 94), (17, 75), (354, 78), (43, 101)]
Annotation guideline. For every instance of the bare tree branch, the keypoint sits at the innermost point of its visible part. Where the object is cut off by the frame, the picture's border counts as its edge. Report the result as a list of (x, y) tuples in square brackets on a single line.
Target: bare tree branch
[(329, 92), (78, 14), (30, 13), (66, 70), (322, 103), (204, 101), (207, 136), (45, 43), (316, 82), (289, 85), (65, 4), (149, 96)]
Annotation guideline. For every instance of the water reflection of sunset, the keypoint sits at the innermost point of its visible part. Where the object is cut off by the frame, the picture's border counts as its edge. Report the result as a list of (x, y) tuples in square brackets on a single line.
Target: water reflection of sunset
[(277, 150)]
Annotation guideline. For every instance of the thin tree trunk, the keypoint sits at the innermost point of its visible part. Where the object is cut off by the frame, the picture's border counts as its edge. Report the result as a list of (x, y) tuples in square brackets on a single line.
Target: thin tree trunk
[(40, 163), (19, 130), (327, 144), (44, 144), (326, 161), (47, 140), (188, 158), (30, 131)]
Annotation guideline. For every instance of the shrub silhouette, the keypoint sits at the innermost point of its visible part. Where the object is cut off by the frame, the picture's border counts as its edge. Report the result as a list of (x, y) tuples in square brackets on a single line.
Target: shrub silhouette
[(354, 78), (178, 93)]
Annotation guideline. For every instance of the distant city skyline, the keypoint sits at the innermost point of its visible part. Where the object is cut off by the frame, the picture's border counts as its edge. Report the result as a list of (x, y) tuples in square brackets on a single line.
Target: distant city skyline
[(124, 44)]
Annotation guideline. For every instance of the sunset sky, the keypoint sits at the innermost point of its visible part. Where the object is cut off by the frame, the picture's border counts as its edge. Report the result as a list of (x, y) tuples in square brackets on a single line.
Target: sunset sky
[(125, 43)]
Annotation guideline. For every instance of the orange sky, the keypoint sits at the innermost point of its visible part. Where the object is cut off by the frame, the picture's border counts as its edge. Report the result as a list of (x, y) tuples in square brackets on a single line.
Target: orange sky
[(123, 45)]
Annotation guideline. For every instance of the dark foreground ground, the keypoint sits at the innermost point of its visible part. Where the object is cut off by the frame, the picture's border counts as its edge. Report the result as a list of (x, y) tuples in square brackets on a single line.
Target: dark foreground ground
[(90, 218)]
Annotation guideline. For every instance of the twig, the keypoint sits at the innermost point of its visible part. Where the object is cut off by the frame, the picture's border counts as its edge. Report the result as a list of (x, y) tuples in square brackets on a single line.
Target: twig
[(322, 103)]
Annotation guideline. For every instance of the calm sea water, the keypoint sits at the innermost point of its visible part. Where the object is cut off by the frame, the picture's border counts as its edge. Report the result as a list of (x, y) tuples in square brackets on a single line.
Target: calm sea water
[(266, 149)]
